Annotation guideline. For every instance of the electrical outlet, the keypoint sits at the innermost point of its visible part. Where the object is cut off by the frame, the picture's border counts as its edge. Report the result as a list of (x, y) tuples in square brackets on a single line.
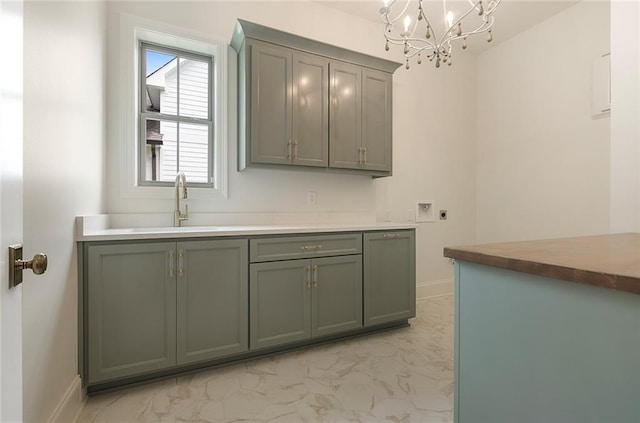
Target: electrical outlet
[(312, 198), (443, 215)]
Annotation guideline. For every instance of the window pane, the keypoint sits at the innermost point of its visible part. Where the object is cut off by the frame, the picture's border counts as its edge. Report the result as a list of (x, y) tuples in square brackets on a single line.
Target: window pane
[(161, 150), (194, 88), (160, 73), (194, 152)]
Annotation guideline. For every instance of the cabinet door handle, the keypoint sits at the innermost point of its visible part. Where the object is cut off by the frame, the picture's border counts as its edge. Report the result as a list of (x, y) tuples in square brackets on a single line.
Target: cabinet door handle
[(181, 255), (315, 276), (295, 150), (364, 150), (308, 269), (359, 155), (391, 235), (171, 269), (289, 149)]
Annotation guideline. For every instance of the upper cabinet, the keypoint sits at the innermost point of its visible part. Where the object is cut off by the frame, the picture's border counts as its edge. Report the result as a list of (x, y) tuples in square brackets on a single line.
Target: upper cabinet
[(289, 123), (360, 116), (306, 103)]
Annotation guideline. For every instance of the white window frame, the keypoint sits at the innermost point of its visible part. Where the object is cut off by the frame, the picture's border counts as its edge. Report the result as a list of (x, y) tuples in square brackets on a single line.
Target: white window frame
[(177, 118), (133, 30)]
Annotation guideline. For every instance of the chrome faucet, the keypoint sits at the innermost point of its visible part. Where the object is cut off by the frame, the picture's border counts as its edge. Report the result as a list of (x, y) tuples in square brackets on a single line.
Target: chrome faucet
[(178, 216)]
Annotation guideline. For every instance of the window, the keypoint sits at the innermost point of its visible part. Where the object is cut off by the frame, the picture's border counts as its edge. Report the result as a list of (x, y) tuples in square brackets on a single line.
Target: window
[(176, 116), (141, 137)]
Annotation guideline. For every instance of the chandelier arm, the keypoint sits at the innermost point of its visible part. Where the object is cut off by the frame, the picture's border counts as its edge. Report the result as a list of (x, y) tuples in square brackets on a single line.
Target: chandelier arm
[(484, 27), (390, 20), (449, 32), (413, 43)]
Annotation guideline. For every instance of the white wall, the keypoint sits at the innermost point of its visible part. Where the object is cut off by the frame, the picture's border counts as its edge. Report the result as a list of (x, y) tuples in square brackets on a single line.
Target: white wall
[(625, 116), (63, 177), (433, 140), (434, 160), (543, 161)]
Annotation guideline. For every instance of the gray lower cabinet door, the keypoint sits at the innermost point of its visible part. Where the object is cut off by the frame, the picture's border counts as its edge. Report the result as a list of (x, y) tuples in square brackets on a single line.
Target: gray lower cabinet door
[(131, 310), (336, 297), (345, 116), (271, 101), (310, 110), (279, 302), (212, 299), (389, 275), (376, 120)]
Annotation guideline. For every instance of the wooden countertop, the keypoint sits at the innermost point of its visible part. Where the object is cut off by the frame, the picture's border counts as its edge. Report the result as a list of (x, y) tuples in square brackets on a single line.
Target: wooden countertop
[(609, 261)]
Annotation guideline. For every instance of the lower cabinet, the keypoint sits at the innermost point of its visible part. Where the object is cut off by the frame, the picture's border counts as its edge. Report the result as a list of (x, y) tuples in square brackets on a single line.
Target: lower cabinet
[(152, 306), (389, 276), (212, 300), (293, 300)]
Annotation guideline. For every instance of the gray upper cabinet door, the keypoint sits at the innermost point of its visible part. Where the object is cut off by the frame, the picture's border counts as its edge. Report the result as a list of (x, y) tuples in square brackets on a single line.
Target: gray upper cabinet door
[(310, 110), (336, 298), (376, 120), (271, 103), (212, 299), (345, 116), (279, 302), (389, 276), (131, 309)]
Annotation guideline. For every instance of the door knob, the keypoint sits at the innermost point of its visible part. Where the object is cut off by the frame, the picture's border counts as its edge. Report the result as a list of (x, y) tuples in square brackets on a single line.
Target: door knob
[(38, 264)]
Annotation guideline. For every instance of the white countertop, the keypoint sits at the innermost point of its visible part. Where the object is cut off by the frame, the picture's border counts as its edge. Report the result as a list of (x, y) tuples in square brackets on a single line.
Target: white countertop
[(95, 228)]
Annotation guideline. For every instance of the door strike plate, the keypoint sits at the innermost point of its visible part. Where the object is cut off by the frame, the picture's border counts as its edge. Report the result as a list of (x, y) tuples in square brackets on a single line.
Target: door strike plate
[(15, 273)]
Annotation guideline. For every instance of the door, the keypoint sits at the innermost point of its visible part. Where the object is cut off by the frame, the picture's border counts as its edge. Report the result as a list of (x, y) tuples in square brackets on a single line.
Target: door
[(345, 116), (131, 309), (271, 140), (279, 302), (212, 299), (390, 277), (336, 298), (376, 120), (10, 207), (310, 110)]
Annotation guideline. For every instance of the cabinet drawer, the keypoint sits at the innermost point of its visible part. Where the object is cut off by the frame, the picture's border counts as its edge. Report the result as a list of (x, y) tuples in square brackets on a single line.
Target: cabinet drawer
[(287, 248)]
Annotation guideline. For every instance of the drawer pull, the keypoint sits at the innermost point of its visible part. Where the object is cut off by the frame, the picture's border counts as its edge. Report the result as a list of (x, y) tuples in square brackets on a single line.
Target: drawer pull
[(311, 247), (391, 235)]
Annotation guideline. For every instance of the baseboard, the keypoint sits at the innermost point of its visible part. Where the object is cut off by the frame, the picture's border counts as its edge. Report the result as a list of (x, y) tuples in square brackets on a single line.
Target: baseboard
[(70, 405), (434, 288)]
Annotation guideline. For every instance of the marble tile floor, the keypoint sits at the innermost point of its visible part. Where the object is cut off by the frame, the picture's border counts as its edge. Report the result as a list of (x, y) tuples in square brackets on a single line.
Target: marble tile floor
[(402, 375)]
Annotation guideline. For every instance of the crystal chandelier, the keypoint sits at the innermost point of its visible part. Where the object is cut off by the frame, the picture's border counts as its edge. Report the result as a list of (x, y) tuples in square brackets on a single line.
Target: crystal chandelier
[(419, 36)]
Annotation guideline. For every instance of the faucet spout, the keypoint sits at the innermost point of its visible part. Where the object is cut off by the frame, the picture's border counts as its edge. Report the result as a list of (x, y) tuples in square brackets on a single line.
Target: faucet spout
[(179, 216)]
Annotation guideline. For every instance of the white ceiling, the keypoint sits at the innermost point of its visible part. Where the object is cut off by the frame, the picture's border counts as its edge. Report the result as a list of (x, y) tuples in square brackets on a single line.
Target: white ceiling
[(511, 17)]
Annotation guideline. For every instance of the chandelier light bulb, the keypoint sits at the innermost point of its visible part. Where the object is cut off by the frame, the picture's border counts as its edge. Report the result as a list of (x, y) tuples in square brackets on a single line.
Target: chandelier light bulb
[(407, 22), (420, 31)]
